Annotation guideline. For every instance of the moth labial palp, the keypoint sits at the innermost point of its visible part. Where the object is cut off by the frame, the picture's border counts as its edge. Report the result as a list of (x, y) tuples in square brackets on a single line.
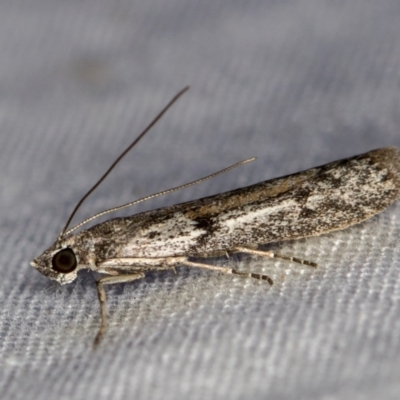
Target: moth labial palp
[(316, 201)]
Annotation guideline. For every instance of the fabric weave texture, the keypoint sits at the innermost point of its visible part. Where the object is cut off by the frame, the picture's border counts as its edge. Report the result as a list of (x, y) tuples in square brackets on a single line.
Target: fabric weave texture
[(294, 83)]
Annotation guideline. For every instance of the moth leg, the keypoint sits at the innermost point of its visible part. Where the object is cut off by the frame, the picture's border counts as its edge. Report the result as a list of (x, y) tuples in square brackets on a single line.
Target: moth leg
[(270, 254), (108, 280), (228, 271), (171, 262)]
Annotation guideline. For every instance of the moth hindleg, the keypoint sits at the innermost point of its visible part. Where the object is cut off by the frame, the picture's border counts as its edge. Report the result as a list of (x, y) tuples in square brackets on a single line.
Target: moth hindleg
[(249, 250), (228, 271)]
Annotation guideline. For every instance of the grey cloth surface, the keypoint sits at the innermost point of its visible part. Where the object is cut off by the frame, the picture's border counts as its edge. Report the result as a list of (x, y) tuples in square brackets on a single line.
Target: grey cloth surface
[(295, 83)]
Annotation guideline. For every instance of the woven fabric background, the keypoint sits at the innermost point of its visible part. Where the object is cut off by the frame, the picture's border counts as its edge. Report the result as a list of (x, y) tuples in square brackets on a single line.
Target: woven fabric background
[(295, 83)]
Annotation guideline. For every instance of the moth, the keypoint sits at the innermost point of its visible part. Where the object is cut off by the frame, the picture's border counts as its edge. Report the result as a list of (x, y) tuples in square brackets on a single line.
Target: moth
[(308, 203)]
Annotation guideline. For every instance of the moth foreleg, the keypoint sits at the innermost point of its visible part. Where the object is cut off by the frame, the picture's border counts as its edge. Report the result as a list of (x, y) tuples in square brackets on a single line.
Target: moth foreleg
[(249, 250), (108, 280)]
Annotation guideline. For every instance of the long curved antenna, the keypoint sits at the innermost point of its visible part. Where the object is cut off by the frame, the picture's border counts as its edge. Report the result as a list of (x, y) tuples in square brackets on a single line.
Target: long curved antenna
[(152, 196), (155, 120)]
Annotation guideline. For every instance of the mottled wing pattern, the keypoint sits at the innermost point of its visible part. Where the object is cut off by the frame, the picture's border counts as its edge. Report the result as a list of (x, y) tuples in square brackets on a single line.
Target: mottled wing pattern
[(309, 203)]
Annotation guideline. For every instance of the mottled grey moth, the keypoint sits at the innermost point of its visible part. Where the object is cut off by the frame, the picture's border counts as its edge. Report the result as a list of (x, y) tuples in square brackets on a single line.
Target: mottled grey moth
[(308, 203)]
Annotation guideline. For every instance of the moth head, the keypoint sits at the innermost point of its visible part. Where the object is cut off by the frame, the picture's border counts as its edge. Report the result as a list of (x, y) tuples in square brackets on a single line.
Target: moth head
[(59, 263)]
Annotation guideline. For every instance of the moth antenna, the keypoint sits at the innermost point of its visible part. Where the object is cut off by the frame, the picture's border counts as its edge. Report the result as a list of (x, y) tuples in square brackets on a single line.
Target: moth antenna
[(152, 196), (155, 120)]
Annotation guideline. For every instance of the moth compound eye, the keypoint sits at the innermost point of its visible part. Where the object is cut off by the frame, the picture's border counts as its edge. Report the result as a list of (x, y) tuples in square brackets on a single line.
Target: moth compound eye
[(64, 261)]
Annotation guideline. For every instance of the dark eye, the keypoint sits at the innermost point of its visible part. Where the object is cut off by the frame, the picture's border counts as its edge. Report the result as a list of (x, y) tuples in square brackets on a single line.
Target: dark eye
[(64, 261)]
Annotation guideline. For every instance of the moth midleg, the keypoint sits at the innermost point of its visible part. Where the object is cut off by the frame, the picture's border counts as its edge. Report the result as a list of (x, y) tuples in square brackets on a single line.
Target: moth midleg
[(228, 271), (108, 280), (251, 251), (172, 262)]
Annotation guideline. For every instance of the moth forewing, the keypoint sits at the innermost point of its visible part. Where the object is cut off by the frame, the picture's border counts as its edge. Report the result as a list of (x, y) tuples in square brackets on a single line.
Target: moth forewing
[(320, 200)]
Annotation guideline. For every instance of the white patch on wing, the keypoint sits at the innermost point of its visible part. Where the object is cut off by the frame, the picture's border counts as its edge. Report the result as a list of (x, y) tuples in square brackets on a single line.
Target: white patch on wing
[(232, 221), (171, 237)]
